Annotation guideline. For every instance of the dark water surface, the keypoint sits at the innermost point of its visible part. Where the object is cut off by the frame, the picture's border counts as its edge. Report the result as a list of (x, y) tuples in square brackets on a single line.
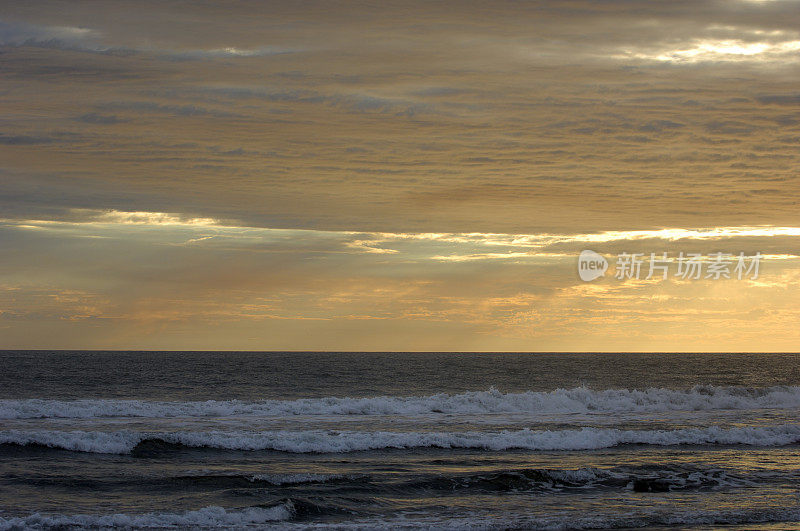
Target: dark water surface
[(428, 440)]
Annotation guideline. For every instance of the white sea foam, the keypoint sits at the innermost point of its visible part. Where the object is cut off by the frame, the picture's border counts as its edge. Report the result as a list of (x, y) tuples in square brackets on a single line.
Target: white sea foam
[(120, 442), (205, 517), (274, 479), (668, 478), (643, 519), (295, 479), (277, 518), (560, 401)]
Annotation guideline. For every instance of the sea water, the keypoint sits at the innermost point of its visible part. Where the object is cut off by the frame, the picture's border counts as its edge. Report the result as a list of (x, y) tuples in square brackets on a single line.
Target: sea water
[(402, 440)]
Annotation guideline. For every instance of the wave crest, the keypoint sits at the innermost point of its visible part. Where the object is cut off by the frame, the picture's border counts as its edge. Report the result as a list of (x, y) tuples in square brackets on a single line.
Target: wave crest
[(319, 441), (205, 517), (559, 401)]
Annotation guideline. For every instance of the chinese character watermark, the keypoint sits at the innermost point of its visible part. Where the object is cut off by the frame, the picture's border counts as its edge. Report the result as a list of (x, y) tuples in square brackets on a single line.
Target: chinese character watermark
[(690, 266)]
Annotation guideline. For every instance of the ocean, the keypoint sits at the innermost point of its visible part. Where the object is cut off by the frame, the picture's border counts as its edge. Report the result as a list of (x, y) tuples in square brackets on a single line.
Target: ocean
[(297, 440)]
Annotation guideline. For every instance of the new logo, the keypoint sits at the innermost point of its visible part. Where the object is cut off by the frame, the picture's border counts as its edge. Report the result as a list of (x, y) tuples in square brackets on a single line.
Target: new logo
[(591, 265)]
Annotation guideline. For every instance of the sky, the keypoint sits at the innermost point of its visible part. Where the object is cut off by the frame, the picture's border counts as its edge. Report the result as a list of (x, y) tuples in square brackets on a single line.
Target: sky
[(397, 176)]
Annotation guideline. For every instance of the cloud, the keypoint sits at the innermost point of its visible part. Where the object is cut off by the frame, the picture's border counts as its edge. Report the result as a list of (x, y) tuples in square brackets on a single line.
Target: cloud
[(175, 110), (102, 119), (141, 218), (730, 127), (69, 38), (434, 167), (349, 102), (780, 99), (229, 52), (657, 126), (176, 229), (226, 278), (708, 50), (81, 39), (22, 34), (24, 140)]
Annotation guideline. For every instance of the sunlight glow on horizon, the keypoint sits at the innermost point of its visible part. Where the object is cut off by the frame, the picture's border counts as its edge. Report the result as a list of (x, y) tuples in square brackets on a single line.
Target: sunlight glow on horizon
[(112, 218)]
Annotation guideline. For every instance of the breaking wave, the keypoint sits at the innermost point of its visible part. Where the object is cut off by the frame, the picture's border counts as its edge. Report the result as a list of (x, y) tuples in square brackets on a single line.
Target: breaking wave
[(260, 480), (144, 444), (632, 478), (288, 510), (560, 401), (645, 519), (205, 517)]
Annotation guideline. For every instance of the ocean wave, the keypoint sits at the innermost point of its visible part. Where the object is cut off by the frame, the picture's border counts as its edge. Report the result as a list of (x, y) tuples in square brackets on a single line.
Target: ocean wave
[(205, 517), (637, 479), (145, 444), (560, 401), (632, 520), (298, 479), (282, 516), (260, 480)]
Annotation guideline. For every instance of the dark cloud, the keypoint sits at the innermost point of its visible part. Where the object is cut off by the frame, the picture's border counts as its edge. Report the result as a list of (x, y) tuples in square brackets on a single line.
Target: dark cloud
[(729, 127), (657, 126), (103, 119), (780, 99), (24, 140), (175, 110)]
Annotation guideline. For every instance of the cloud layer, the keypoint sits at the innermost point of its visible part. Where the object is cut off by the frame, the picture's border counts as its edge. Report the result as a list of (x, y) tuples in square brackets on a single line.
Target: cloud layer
[(398, 175)]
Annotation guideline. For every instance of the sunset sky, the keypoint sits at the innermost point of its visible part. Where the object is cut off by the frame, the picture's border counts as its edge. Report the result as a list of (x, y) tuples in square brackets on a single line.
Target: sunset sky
[(396, 175)]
